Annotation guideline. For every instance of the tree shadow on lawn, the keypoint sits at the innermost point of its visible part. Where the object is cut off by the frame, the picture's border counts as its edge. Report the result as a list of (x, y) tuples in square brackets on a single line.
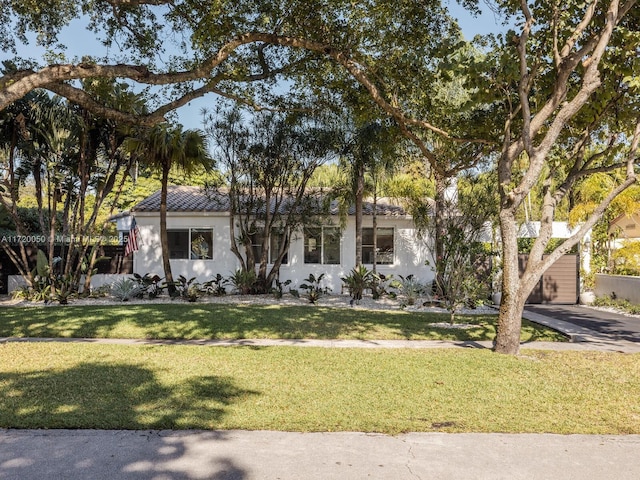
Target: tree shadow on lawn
[(234, 321), (314, 322), (96, 395), (63, 321)]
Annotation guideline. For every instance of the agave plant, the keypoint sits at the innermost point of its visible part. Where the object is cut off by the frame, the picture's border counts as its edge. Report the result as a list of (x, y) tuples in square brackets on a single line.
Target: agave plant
[(410, 287), (125, 289)]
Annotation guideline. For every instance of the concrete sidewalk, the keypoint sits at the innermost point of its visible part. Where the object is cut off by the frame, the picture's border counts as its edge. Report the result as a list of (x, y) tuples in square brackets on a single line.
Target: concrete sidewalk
[(242, 455)]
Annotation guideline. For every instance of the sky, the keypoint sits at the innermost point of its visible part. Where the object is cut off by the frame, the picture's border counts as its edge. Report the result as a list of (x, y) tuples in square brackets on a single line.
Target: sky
[(80, 42)]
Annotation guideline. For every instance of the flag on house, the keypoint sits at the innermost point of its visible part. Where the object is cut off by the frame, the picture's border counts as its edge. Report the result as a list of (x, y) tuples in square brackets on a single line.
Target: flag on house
[(132, 240)]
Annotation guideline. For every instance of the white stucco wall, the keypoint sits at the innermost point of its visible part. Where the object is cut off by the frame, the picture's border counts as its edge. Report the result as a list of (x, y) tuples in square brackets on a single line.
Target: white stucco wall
[(148, 259), (409, 256)]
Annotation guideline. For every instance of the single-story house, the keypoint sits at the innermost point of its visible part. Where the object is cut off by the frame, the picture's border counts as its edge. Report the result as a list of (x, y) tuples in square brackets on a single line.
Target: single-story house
[(199, 241)]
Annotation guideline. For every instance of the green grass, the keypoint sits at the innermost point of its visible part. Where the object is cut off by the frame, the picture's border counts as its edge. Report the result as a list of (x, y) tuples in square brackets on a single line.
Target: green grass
[(57, 385), (210, 321)]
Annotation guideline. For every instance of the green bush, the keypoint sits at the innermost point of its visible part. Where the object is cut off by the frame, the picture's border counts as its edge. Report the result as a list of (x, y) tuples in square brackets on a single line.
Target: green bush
[(314, 289), (243, 281), (359, 279), (125, 289)]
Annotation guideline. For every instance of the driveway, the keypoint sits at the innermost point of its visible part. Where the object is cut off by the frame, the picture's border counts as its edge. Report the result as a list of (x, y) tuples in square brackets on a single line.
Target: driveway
[(616, 325)]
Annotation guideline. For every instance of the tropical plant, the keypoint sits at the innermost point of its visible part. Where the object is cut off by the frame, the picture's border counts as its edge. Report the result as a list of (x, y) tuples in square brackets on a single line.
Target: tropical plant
[(125, 289), (193, 293), (64, 288), (101, 291), (188, 289), (149, 284), (359, 279), (216, 286), (369, 150), (314, 289), (22, 293), (410, 288), (278, 290), (380, 285), (243, 281), (69, 162)]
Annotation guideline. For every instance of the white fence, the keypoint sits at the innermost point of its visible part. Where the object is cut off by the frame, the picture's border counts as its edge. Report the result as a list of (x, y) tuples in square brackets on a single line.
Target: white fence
[(620, 286)]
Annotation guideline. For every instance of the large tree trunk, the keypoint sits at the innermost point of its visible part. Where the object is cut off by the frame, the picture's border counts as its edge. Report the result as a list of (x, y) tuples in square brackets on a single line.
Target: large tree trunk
[(374, 223), (516, 288), (164, 237), (439, 219), (359, 198), (512, 303)]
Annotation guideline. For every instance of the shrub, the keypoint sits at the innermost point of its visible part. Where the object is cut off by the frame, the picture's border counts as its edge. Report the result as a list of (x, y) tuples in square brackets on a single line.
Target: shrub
[(410, 287), (125, 289), (188, 289), (314, 290), (380, 285), (357, 281), (101, 291), (278, 290), (216, 286), (243, 281), (617, 303), (149, 284)]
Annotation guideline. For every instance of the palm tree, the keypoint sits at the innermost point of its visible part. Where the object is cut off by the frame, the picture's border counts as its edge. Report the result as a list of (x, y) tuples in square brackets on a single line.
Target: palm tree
[(370, 150), (164, 147)]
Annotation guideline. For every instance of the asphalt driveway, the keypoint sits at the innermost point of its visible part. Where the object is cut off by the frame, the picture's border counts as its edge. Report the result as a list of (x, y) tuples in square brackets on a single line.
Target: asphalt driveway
[(616, 325)]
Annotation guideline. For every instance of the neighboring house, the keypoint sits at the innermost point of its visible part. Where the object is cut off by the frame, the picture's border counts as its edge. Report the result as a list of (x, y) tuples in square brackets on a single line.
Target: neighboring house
[(199, 241), (625, 227)]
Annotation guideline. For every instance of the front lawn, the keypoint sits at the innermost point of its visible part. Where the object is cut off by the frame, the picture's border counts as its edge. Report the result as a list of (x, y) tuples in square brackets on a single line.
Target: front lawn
[(58, 385), (226, 321)]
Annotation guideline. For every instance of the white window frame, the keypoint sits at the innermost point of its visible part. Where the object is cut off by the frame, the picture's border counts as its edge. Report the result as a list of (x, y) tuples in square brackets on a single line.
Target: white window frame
[(379, 254), (323, 251)]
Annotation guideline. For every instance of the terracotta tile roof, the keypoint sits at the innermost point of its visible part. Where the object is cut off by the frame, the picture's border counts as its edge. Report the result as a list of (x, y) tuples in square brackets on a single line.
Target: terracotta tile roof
[(197, 199)]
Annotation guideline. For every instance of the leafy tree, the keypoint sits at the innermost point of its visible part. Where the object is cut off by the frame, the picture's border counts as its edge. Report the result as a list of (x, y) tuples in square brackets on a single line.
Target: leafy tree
[(367, 153), (165, 147), (268, 161), (70, 163), (588, 195), (466, 226)]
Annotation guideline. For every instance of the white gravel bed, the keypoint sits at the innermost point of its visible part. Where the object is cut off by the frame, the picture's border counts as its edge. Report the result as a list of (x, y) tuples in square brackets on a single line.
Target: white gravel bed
[(367, 303)]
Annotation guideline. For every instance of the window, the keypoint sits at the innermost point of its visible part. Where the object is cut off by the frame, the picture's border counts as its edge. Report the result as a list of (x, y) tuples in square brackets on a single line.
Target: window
[(191, 243), (384, 244), (275, 242), (201, 244), (322, 245)]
